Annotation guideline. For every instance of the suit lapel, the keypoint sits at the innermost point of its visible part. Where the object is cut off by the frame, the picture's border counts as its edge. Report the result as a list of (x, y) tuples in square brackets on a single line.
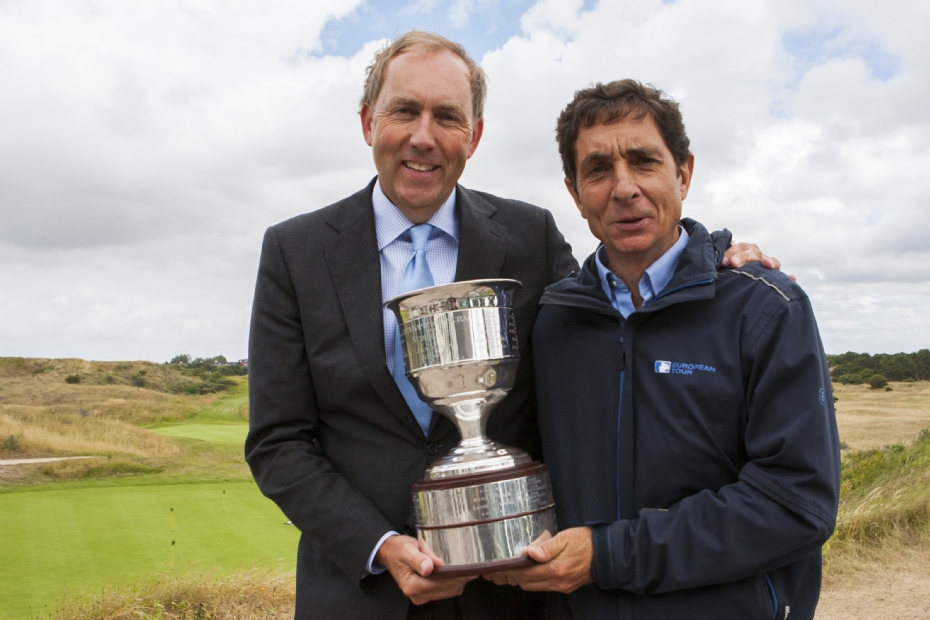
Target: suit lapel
[(482, 241), (354, 264)]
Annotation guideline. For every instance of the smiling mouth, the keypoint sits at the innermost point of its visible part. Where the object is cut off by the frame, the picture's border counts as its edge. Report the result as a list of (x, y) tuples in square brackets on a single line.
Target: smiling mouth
[(419, 167)]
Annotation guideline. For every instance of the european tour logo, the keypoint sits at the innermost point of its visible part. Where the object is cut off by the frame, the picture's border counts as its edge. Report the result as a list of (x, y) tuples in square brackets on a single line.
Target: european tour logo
[(664, 367)]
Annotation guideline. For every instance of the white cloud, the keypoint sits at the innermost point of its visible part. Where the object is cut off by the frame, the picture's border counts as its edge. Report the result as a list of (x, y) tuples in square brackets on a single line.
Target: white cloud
[(147, 145), (820, 161)]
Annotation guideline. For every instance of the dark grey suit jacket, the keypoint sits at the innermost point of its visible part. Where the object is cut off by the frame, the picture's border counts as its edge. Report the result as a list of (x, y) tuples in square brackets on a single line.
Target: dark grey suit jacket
[(331, 440)]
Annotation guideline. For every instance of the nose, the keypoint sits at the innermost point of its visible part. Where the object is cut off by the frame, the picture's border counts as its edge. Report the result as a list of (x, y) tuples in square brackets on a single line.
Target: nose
[(422, 136), (625, 187)]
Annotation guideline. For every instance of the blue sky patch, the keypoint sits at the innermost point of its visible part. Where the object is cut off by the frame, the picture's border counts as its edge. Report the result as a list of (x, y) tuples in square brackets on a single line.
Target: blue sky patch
[(816, 46), (479, 25)]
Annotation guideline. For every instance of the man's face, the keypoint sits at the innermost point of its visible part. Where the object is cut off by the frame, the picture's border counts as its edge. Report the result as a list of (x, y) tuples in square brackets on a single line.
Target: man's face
[(421, 130), (629, 189)]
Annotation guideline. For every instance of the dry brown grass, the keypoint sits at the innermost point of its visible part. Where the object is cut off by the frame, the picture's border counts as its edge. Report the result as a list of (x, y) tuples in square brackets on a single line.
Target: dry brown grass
[(38, 431), (158, 377), (247, 596), (874, 418), (892, 581), (100, 415), (877, 565), (95, 468)]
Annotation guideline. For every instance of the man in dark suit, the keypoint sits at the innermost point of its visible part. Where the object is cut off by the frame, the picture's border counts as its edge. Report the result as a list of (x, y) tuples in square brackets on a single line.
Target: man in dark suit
[(332, 439)]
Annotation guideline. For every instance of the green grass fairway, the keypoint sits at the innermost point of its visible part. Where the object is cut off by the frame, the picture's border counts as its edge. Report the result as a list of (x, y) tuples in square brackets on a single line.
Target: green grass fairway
[(233, 407), (225, 434), (74, 541)]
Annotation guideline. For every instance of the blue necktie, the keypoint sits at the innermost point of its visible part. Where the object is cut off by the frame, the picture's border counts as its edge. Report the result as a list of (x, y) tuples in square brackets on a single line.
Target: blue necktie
[(416, 275)]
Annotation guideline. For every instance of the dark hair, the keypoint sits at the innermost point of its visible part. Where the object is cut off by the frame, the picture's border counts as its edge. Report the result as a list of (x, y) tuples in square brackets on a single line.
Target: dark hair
[(614, 101), (418, 41)]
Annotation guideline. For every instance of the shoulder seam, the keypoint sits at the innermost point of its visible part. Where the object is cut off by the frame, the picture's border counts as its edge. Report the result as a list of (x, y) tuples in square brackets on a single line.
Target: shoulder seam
[(763, 280)]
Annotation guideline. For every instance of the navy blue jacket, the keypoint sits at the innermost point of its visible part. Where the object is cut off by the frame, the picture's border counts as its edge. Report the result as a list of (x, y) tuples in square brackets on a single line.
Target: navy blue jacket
[(697, 437)]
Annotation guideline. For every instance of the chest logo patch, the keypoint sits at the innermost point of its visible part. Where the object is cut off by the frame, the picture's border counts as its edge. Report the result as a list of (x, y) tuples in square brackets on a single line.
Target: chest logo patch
[(664, 367)]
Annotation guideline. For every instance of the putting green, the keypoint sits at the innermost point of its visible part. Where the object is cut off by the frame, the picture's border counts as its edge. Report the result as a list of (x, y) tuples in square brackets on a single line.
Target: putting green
[(69, 542), (213, 433)]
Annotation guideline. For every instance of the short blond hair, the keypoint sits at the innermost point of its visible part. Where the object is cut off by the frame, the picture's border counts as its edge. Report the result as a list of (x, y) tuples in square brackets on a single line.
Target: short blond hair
[(420, 40)]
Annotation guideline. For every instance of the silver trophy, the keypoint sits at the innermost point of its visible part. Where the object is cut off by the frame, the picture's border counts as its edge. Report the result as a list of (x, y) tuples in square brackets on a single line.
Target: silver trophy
[(482, 503)]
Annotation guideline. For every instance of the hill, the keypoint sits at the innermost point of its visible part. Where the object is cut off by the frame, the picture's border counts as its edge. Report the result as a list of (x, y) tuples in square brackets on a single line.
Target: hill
[(109, 412)]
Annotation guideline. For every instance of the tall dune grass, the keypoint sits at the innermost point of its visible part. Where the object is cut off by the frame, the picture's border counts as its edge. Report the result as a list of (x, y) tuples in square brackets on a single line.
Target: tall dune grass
[(246, 596), (38, 431), (885, 501)]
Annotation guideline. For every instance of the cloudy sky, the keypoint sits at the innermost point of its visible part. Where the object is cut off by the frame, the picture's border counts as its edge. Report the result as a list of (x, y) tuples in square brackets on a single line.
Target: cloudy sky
[(146, 145)]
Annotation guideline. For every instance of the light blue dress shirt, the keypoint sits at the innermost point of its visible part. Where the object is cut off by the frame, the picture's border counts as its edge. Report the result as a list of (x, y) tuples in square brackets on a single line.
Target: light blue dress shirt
[(395, 248), (653, 282)]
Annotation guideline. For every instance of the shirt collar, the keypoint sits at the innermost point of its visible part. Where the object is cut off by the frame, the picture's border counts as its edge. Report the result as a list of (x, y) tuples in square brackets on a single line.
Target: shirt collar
[(657, 275), (390, 223)]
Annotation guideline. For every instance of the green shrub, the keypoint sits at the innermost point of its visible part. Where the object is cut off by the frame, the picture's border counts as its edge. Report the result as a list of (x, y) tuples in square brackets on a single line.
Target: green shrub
[(865, 469), (883, 495), (887, 388), (878, 381), (849, 379), (73, 379), (10, 444)]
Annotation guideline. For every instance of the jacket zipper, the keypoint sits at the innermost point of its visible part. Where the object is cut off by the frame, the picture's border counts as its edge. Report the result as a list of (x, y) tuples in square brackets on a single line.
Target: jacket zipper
[(619, 417), (774, 596)]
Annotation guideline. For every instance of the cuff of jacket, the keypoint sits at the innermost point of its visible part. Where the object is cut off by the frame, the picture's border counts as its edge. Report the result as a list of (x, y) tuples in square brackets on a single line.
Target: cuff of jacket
[(602, 567)]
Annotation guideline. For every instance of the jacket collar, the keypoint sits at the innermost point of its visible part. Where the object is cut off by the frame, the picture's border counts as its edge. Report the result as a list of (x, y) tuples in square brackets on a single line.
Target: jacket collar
[(694, 278)]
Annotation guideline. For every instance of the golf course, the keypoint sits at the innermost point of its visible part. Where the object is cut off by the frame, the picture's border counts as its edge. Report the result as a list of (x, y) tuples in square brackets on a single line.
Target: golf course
[(165, 521), (188, 506)]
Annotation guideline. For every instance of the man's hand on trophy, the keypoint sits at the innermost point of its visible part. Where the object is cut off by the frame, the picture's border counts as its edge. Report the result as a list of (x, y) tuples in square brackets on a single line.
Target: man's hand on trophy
[(410, 567), (564, 563)]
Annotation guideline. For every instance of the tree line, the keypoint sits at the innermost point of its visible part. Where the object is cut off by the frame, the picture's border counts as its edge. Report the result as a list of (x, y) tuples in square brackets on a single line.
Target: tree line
[(208, 365), (852, 367)]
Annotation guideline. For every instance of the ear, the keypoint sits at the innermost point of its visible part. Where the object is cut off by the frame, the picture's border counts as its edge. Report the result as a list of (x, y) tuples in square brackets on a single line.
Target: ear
[(476, 134), (685, 171), (571, 190), (366, 114)]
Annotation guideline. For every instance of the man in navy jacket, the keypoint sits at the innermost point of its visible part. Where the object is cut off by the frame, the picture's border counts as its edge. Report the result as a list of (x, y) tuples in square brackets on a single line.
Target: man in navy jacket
[(685, 411)]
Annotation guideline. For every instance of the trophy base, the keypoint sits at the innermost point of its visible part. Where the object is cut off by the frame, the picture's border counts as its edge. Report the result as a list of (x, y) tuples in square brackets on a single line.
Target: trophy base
[(481, 523), (451, 572)]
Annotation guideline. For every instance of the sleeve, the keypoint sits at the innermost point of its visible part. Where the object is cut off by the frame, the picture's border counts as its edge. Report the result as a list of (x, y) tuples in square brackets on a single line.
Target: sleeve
[(561, 260), (721, 240), (282, 447), (783, 505)]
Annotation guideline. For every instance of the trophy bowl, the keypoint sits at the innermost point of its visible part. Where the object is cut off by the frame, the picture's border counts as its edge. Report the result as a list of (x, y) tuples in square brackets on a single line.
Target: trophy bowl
[(481, 504)]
